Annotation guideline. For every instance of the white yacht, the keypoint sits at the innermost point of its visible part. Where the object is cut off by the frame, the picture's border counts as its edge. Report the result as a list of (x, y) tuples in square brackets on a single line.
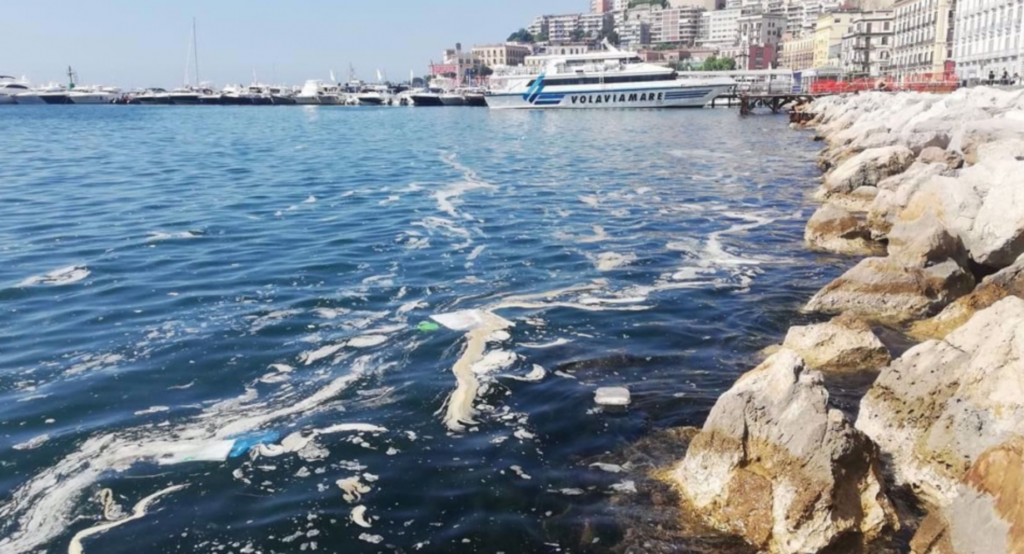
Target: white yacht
[(316, 93), (373, 95), (93, 95), (35, 96), (9, 88), (607, 79)]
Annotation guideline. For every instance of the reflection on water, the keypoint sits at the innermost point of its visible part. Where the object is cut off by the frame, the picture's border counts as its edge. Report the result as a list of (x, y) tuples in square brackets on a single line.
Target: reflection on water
[(218, 329)]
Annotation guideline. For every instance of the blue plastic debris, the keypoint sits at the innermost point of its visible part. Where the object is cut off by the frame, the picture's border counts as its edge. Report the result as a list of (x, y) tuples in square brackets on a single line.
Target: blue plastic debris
[(244, 443)]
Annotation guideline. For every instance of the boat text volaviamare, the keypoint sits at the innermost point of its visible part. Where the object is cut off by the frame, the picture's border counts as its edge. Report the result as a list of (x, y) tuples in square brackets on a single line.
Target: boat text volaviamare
[(607, 79)]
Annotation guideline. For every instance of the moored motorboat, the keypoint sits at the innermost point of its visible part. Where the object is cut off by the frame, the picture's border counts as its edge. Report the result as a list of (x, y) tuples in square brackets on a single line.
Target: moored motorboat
[(93, 95), (9, 88), (55, 97), (153, 96), (426, 98), (453, 99), (316, 93), (475, 98)]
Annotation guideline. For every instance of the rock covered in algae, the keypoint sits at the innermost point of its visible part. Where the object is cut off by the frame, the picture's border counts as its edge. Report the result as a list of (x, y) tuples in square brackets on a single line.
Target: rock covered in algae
[(935, 410), (774, 465), (987, 515), (844, 344)]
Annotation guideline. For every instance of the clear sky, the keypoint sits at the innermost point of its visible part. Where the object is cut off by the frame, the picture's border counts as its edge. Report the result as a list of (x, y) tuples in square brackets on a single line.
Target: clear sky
[(139, 43)]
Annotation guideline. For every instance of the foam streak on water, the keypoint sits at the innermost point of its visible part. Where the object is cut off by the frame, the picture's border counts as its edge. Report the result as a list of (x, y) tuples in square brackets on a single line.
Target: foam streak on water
[(222, 318)]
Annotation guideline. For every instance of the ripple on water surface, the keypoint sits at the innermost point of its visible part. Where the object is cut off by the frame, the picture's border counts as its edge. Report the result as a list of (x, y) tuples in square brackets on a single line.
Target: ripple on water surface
[(218, 331)]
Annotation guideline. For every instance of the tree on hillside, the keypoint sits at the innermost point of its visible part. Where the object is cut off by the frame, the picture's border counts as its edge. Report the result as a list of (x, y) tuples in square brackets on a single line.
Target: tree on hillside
[(611, 35), (540, 37), (578, 35), (522, 35), (714, 63)]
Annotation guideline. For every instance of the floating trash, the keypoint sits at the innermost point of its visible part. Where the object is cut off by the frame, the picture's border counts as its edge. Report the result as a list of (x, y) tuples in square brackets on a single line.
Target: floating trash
[(427, 327), (612, 396)]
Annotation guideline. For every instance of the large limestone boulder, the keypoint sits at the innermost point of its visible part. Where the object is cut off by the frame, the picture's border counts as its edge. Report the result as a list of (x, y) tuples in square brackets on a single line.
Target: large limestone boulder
[(882, 289), (833, 229), (983, 206), (1007, 282), (894, 193), (936, 155), (937, 408), (923, 241), (774, 465), (844, 344), (867, 169), (987, 516)]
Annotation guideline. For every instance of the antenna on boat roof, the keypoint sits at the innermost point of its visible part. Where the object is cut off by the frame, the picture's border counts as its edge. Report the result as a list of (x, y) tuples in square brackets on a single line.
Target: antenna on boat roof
[(72, 76)]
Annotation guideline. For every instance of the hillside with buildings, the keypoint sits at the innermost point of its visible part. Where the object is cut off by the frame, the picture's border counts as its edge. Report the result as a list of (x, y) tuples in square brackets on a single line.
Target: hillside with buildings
[(899, 40)]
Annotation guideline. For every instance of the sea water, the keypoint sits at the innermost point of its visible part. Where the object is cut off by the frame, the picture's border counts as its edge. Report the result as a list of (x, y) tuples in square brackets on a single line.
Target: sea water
[(373, 329)]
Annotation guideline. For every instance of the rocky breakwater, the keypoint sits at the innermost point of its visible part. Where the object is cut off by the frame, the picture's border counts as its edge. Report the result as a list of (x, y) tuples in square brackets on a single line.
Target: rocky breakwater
[(931, 187)]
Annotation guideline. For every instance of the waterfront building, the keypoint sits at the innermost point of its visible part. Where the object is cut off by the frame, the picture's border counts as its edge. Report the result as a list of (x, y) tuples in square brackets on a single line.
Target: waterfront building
[(720, 29), (922, 39), (759, 36), (634, 33), (797, 53), (811, 10), (677, 26), (498, 55), (620, 5), (866, 44), (595, 25), (600, 6), (828, 37), (988, 38), (539, 26), (562, 27), (706, 4)]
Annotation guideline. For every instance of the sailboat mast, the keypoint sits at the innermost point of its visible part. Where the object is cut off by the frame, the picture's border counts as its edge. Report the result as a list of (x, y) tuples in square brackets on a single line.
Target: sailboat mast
[(188, 61), (195, 49)]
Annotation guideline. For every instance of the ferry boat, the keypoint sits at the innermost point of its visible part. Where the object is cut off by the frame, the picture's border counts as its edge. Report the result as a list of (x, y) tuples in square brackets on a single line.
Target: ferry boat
[(606, 79)]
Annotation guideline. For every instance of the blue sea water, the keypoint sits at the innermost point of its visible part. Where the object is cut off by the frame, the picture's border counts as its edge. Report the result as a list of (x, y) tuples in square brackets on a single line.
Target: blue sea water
[(179, 279)]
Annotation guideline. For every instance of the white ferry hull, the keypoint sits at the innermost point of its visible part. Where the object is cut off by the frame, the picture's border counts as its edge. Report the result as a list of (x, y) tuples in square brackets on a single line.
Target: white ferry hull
[(679, 95)]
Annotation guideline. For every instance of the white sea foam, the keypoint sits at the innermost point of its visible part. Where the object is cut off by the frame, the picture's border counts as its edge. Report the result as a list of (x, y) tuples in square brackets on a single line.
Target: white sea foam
[(152, 410), (58, 277), (33, 443), (138, 512), (608, 261), (552, 344)]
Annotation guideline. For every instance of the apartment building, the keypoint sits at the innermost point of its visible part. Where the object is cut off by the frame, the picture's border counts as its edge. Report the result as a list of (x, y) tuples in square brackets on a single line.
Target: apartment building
[(867, 43), (497, 55), (720, 29), (923, 38), (677, 25), (759, 36), (987, 38), (797, 53), (600, 6), (595, 25), (828, 37)]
